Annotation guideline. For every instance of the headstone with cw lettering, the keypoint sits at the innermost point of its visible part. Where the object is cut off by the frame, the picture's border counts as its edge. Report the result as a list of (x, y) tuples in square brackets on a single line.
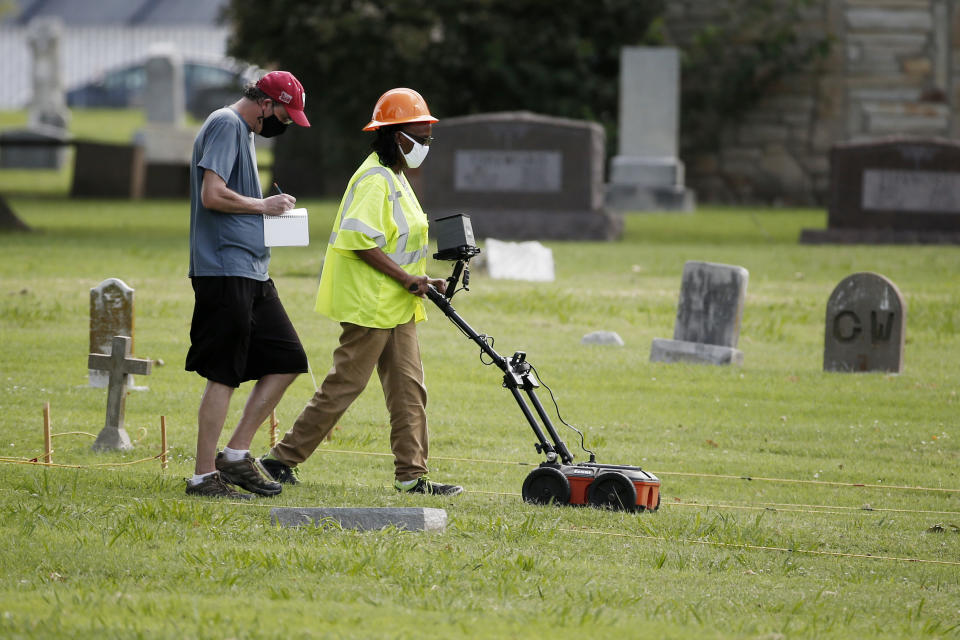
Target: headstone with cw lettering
[(866, 318), (111, 314), (709, 315), (119, 366)]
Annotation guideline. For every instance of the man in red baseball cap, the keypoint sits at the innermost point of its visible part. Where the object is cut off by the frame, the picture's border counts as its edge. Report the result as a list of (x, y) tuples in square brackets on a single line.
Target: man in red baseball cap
[(284, 88), (239, 330)]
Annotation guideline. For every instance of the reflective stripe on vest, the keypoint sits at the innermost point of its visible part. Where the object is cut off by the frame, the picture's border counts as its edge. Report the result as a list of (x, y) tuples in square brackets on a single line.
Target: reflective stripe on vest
[(401, 256)]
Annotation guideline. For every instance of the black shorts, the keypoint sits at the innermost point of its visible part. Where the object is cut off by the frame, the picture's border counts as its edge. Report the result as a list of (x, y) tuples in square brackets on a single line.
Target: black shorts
[(241, 332)]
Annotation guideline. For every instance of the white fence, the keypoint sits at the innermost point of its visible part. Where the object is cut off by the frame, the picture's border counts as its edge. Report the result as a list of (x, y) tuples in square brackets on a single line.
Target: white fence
[(86, 52)]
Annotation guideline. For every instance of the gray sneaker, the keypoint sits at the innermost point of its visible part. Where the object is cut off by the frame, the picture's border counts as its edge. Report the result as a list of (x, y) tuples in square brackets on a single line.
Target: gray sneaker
[(213, 486), (247, 474)]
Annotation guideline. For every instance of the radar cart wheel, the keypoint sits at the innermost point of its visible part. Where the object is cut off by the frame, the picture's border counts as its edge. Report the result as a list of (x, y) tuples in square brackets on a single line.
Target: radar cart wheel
[(545, 485), (613, 490)]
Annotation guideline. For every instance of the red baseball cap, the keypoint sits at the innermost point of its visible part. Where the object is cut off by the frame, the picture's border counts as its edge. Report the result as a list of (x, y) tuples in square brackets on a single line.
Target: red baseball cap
[(284, 88)]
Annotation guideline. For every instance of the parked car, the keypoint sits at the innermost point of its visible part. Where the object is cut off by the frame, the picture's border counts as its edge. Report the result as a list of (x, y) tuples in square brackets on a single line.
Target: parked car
[(207, 86)]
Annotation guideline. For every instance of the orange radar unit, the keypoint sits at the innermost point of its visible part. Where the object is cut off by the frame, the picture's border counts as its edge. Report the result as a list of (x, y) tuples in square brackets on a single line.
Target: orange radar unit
[(399, 106), (558, 480)]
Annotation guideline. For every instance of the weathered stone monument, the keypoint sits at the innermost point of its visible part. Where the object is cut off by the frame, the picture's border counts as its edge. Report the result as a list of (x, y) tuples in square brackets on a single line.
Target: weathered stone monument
[(364, 519), (167, 142), (893, 190), (111, 314), (119, 365), (647, 173), (866, 318), (709, 314), (46, 131), (520, 176)]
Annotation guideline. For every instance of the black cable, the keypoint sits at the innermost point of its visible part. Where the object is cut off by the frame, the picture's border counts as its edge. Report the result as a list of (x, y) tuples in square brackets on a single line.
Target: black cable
[(593, 456), (489, 340)]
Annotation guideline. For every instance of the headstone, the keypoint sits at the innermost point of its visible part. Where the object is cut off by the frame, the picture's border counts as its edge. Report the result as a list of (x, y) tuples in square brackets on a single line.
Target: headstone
[(529, 261), (519, 176), (610, 338), (107, 171), (167, 142), (709, 314), (37, 147), (163, 97), (9, 220), (364, 519), (47, 117), (894, 190), (111, 314), (48, 104), (119, 367), (866, 317), (647, 174)]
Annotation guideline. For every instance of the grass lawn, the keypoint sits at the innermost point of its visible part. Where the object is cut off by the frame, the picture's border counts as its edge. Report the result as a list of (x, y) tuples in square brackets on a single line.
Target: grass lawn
[(798, 551)]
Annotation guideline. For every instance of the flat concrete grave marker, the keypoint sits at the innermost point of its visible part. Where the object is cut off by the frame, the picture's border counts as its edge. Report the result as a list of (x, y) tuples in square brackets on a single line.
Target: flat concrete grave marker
[(120, 366), (709, 314), (364, 519), (611, 338), (111, 314), (866, 317)]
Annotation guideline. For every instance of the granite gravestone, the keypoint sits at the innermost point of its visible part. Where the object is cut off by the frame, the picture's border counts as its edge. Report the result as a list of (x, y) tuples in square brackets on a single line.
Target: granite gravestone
[(111, 314), (647, 174), (520, 176), (46, 132), (709, 314), (107, 170), (895, 190), (118, 365), (866, 317), (167, 142)]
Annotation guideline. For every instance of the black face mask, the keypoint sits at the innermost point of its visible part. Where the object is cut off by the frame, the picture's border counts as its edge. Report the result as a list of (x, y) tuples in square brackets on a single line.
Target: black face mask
[(272, 127)]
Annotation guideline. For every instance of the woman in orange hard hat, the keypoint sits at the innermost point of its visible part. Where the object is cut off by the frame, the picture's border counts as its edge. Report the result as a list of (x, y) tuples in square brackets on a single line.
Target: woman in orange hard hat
[(373, 283)]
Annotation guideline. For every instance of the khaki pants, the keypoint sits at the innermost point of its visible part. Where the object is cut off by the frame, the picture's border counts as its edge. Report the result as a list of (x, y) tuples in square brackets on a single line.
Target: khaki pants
[(396, 355)]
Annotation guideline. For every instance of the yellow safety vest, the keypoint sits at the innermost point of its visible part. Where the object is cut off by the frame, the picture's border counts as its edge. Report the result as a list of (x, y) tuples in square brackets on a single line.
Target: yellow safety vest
[(379, 209)]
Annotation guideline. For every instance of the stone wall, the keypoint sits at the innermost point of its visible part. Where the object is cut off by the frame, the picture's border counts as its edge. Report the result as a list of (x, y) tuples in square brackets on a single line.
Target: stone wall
[(893, 69)]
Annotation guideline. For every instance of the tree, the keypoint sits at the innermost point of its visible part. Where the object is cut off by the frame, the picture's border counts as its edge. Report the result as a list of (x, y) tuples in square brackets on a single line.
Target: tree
[(464, 56)]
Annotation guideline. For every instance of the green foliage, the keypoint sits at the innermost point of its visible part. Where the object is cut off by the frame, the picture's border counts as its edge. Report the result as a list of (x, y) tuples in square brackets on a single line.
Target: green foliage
[(121, 552), (730, 65), (464, 56)]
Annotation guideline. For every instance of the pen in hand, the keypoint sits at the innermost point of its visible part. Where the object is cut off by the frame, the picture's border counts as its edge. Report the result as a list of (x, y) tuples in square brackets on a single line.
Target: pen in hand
[(277, 187)]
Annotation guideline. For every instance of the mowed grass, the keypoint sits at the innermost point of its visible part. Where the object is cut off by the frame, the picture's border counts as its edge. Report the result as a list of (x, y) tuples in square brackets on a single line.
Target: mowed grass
[(121, 552)]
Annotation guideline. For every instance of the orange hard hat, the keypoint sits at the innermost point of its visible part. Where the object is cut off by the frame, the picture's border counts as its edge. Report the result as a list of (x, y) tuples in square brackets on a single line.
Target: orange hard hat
[(399, 106)]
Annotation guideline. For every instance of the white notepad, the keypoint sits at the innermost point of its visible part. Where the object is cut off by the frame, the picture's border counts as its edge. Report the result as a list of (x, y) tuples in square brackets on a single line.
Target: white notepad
[(290, 229)]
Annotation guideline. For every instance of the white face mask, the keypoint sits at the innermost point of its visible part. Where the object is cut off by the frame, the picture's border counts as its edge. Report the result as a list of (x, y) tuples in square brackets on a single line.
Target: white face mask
[(415, 158)]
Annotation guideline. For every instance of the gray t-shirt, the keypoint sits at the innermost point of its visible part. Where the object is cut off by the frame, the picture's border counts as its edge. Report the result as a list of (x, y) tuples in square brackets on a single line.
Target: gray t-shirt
[(226, 244)]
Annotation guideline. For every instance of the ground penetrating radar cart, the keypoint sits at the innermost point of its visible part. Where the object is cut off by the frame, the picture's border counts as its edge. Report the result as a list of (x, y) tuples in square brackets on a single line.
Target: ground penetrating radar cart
[(558, 479)]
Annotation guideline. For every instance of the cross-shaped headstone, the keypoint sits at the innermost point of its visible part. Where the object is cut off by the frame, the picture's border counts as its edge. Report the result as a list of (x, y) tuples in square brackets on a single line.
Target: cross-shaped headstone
[(119, 366)]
